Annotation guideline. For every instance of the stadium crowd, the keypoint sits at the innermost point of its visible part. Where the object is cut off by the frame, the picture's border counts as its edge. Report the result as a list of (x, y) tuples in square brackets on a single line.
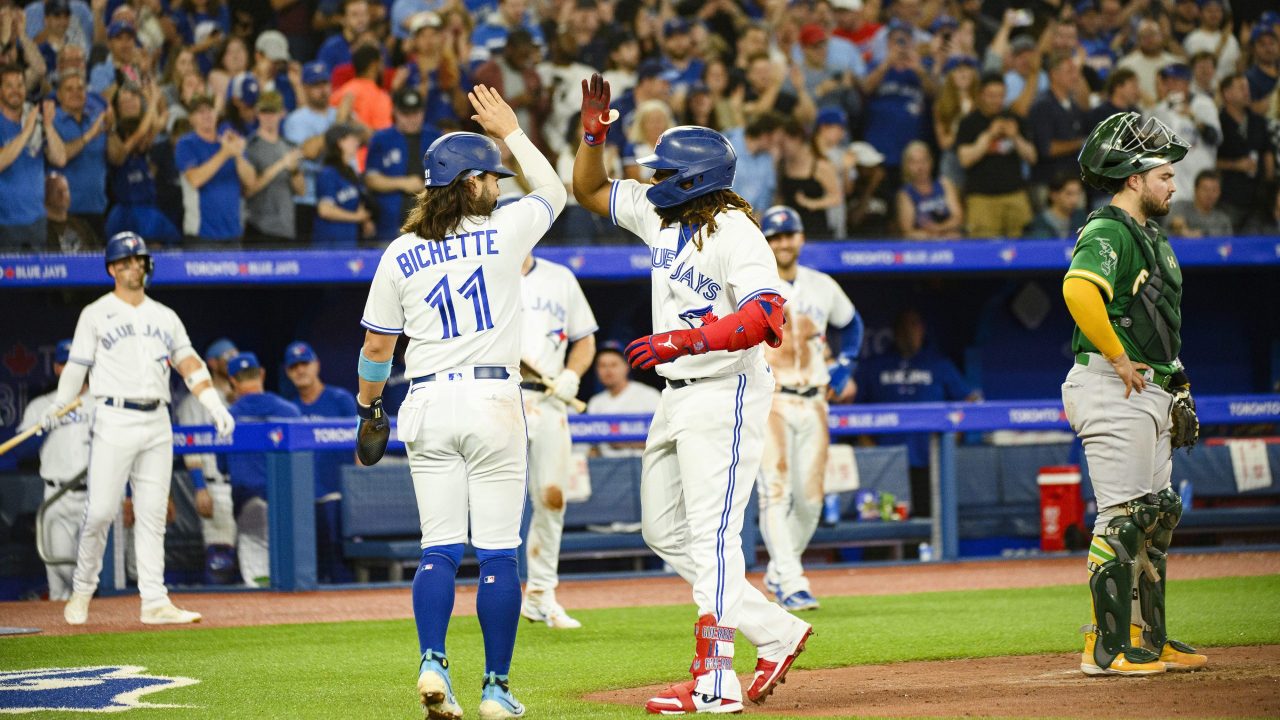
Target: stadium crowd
[(245, 123)]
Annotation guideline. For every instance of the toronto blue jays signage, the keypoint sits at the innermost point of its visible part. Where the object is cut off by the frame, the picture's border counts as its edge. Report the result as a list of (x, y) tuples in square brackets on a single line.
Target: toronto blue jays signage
[(113, 688)]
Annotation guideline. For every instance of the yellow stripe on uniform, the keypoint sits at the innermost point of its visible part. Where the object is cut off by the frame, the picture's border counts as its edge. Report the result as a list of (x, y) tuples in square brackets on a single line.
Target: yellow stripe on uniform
[(1100, 552), (1094, 278)]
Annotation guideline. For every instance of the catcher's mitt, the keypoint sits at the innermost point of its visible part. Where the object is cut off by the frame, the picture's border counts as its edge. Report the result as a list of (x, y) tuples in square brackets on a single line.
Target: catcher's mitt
[(1186, 426), (373, 429)]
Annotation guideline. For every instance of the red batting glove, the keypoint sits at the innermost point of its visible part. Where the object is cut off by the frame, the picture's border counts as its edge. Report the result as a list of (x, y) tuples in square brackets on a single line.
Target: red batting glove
[(651, 350), (596, 115)]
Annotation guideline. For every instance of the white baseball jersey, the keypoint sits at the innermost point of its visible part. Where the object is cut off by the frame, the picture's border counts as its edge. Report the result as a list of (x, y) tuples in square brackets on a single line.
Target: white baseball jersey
[(127, 348), (635, 399), (458, 299), (690, 285), (556, 314), (814, 302), (65, 451)]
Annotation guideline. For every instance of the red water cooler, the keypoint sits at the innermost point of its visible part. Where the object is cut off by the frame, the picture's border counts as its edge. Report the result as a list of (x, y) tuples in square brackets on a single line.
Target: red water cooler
[(1061, 506)]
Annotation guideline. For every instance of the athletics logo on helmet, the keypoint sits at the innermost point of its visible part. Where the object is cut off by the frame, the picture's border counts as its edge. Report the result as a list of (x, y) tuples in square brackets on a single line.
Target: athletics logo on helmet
[(703, 161), (464, 154), (1124, 145), (781, 220), (128, 244)]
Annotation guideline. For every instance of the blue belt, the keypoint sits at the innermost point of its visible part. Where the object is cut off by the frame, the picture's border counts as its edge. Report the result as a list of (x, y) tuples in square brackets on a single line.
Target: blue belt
[(480, 372), (144, 406)]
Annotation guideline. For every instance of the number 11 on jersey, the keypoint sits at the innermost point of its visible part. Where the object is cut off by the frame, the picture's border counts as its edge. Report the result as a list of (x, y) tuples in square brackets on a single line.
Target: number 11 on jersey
[(473, 289)]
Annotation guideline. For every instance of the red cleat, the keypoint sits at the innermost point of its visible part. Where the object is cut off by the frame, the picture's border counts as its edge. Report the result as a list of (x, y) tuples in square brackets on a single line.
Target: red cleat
[(770, 674)]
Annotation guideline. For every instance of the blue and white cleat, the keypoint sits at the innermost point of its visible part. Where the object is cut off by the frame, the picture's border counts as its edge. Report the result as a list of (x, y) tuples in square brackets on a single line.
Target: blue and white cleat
[(435, 689), (496, 700), (774, 588), (800, 600)]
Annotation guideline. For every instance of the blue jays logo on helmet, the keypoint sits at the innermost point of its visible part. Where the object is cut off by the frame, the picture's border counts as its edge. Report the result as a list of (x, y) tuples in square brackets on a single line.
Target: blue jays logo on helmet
[(781, 220), (129, 244), (84, 689), (703, 161), (461, 154)]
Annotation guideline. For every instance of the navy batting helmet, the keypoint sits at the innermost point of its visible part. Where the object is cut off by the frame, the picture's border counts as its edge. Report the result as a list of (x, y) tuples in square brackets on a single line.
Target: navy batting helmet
[(781, 220), (461, 154), (702, 159), (128, 244)]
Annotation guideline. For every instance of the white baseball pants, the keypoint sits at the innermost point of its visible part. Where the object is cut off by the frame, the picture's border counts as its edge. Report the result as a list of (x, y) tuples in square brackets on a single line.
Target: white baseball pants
[(794, 467), (137, 447), (549, 456), (62, 521), (253, 543)]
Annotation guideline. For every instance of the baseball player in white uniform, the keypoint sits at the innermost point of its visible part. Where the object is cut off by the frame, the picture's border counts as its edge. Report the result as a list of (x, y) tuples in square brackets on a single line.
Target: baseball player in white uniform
[(64, 461), (556, 319), (715, 299), (125, 343), (451, 283), (795, 451)]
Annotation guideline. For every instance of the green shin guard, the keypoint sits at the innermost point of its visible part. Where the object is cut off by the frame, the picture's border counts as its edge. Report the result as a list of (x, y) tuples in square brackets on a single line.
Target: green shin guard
[(1112, 582), (1151, 593)]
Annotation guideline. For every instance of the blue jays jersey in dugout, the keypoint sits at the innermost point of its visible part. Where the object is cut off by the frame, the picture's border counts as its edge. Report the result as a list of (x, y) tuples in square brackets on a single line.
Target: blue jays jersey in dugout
[(556, 314)]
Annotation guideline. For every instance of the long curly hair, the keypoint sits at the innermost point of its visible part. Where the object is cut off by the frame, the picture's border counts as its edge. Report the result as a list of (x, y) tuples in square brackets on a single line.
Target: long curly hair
[(702, 211), (439, 211)]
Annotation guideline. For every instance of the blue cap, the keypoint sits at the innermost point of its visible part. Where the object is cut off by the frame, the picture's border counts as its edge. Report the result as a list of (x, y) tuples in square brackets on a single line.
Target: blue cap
[(833, 116), (943, 22), (1261, 30), (240, 363), (675, 26), (958, 60), (1085, 6), (298, 352), (62, 353), (220, 347), (314, 73), (896, 25), (119, 27), (1270, 17), (655, 68), (1177, 71), (243, 87)]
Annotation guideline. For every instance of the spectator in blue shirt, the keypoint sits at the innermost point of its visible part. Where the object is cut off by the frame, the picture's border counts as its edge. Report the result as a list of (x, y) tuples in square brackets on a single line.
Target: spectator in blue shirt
[(1264, 73), (910, 372), (83, 131), (213, 169), (132, 181), (393, 167), (204, 25), (490, 37), (355, 22), (24, 145), (240, 109), (678, 54), (341, 216), (433, 71), (317, 400), (58, 29), (247, 472), (897, 90), (305, 128), (274, 68), (757, 148), (653, 82), (122, 44)]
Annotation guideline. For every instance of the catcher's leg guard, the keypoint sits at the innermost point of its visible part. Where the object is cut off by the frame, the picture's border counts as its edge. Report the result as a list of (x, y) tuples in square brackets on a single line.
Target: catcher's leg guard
[(1152, 634), (1112, 559)]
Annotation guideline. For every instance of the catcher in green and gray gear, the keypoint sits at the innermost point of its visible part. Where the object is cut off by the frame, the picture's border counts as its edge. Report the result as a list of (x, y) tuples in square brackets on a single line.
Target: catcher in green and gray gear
[(1127, 396)]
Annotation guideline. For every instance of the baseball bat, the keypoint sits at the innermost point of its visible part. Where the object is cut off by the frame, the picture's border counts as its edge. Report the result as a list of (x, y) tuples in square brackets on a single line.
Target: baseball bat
[(528, 369), (21, 437)]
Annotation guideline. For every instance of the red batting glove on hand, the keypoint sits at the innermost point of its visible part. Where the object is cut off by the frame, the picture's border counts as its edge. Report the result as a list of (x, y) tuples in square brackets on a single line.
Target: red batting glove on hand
[(596, 114), (651, 350)]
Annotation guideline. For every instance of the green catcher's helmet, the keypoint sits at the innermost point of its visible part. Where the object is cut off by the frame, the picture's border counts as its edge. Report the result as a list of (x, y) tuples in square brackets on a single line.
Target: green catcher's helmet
[(1123, 145)]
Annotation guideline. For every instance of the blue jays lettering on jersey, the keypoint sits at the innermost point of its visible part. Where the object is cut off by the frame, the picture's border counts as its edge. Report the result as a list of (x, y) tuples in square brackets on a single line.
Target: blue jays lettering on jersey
[(248, 471), (925, 377), (333, 402)]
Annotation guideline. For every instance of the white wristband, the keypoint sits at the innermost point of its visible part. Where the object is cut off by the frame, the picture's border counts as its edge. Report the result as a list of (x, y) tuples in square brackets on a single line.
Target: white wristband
[(197, 377)]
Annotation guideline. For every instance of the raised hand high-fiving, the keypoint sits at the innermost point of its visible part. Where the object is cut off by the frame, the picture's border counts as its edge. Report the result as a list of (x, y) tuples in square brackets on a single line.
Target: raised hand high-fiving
[(596, 113), (492, 112)]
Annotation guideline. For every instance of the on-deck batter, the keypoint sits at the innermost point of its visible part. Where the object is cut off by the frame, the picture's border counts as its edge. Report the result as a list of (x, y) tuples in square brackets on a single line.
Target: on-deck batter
[(715, 297), (558, 342), (126, 343), (451, 283)]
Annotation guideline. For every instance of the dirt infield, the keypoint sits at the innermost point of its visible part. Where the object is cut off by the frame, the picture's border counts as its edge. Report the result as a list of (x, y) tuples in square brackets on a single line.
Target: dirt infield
[(1238, 682), (120, 614)]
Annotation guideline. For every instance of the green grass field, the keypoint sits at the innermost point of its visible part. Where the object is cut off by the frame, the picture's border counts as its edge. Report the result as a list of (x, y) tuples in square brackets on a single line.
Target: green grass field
[(368, 669)]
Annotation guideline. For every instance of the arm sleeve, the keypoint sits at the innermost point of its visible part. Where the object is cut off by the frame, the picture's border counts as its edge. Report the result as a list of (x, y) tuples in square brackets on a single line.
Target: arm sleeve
[(383, 311), (1084, 301), (851, 338), (326, 187), (749, 268), (1096, 259), (529, 218), (179, 337), (841, 311), (581, 321), (184, 156), (85, 341)]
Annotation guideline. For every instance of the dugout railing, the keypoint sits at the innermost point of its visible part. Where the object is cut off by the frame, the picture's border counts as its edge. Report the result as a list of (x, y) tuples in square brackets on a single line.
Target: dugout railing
[(289, 446)]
